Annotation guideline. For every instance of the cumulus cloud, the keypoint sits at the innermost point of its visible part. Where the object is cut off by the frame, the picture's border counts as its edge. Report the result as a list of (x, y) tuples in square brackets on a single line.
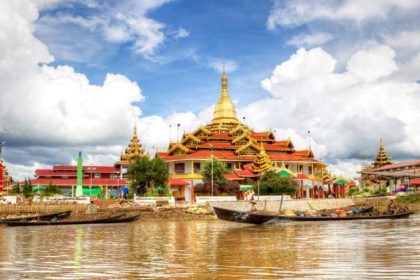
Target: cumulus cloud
[(310, 40), (53, 111), (347, 112), (127, 22), (297, 12)]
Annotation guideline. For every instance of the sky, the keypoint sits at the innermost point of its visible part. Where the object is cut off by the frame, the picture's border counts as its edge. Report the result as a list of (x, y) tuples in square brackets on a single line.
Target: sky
[(76, 75)]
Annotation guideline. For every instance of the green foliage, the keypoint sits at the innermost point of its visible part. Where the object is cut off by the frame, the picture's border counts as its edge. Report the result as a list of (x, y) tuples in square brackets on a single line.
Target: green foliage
[(52, 189), (146, 173), (272, 183), (27, 189), (352, 191), (407, 199), (219, 171), (16, 189)]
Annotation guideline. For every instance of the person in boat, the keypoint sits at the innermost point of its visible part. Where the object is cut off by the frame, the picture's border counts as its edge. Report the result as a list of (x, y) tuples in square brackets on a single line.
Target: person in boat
[(392, 207), (253, 203)]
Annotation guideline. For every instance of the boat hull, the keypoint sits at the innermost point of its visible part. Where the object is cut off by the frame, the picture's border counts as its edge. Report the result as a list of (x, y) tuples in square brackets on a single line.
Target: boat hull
[(257, 218), (41, 217), (101, 220), (242, 216)]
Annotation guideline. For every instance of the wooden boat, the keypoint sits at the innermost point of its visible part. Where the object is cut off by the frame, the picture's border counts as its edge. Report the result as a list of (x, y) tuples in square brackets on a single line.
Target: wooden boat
[(353, 217), (97, 220), (242, 216), (261, 218), (125, 219), (42, 217)]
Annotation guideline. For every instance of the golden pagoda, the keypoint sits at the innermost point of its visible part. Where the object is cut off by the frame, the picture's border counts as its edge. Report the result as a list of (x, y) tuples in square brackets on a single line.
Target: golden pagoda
[(262, 162), (382, 158), (133, 151), (246, 152)]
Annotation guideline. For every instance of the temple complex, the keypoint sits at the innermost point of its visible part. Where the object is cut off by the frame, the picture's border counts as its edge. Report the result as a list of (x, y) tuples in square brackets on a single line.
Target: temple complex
[(394, 176), (245, 152)]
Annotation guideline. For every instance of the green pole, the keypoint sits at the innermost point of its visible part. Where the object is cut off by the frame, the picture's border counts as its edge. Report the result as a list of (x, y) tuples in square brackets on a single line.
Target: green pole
[(79, 182)]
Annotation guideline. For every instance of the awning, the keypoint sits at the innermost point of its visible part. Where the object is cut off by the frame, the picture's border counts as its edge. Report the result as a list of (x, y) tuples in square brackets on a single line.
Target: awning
[(246, 187), (177, 182), (93, 191), (39, 188), (340, 182)]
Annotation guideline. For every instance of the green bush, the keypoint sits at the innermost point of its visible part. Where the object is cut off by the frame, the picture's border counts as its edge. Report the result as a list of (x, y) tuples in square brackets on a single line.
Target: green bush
[(407, 199)]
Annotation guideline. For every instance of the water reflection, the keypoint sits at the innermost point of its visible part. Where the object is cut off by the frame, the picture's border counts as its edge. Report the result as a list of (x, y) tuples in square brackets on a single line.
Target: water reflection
[(213, 250)]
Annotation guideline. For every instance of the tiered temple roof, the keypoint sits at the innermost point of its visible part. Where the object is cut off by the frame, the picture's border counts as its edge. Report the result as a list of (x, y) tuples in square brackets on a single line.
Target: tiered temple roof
[(230, 140), (382, 158), (133, 151), (262, 162)]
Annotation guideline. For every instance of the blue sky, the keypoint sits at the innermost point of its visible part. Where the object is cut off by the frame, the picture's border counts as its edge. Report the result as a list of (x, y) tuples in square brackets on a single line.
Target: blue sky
[(78, 74), (218, 31)]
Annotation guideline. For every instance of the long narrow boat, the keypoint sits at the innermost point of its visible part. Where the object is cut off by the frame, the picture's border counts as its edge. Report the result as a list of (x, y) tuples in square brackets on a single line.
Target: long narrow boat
[(261, 218), (242, 216), (42, 217), (401, 215), (100, 220)]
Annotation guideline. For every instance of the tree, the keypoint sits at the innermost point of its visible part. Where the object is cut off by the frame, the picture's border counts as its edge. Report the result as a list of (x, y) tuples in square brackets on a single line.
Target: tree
[(27, 189), (158, 173), (52, 189), (138, 175), (219, 171), (272, 183), (147, 173)]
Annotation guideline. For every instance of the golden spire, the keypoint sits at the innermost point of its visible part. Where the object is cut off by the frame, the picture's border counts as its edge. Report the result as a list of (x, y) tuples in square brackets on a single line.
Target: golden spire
[(382, 158), (225, 111), (262, 162), (134, 149)]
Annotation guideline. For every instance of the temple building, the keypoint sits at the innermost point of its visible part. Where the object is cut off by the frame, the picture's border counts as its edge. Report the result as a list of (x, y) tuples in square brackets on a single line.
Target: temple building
[(6, 181), (244, 151), (395, 176), (133, 152), (97, 180)]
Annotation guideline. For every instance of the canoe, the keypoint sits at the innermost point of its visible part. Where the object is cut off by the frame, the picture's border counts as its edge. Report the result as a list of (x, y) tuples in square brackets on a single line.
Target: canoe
[(261, 218), (100, 220), (242, 216), (42, 217), (125, 219), (401, 215)]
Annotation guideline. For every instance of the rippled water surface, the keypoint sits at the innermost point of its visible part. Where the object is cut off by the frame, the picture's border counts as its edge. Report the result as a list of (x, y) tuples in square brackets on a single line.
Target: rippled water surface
[(385, 249)]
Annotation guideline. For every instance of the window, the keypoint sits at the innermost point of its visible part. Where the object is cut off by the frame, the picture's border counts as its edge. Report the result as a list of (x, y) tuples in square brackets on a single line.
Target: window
[(197, 167), (310, 170), (180, 168), (229, 165), (97, 175), (300, 168)]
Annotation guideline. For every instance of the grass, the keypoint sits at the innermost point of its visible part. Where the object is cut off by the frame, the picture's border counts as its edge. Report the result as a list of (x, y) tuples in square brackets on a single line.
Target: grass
[(408, 199)]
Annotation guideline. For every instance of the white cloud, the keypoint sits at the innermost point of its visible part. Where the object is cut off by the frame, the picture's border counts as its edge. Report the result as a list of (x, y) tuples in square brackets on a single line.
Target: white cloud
[(181, 33), (218, 64), (310, 40), (297, 12), (44, 106), (346, 112), (126, 22)]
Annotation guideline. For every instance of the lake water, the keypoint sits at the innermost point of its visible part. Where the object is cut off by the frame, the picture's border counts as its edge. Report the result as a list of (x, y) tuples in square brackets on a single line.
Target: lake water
[(383, 249)]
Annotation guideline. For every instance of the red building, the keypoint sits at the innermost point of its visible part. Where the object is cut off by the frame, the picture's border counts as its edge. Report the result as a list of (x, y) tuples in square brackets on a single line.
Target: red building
[(96, 179)]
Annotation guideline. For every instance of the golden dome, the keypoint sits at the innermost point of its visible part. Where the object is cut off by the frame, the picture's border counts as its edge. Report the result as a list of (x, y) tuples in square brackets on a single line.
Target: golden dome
[(225, 110)]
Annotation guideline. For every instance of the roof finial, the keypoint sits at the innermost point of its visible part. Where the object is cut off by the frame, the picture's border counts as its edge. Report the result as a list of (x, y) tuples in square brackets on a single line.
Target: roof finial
[(224, 80)]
